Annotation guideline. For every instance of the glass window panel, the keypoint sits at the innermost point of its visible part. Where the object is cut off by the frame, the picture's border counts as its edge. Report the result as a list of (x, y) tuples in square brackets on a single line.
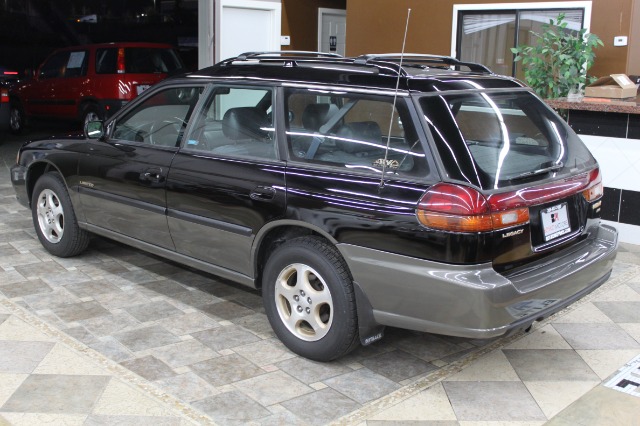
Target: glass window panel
[(160, 119), (532, 20), (351, 131), (236, 122), (487, 39)]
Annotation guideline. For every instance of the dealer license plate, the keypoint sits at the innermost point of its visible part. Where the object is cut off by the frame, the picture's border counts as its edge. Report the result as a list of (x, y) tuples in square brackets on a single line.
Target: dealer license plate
[(555, 221), (141, 88)]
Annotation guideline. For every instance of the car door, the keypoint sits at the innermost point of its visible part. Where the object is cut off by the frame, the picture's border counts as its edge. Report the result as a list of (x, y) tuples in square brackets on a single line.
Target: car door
[(122, 179), (66, 91), (227, 181), (38, 96)]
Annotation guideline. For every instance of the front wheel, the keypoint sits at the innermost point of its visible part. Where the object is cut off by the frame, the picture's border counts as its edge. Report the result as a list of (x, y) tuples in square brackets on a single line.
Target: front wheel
[(54, 219), (309, 299), (16, 118)]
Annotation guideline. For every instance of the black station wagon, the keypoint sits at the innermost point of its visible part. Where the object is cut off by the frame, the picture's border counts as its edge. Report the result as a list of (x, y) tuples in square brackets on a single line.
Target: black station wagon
[(357, 193)]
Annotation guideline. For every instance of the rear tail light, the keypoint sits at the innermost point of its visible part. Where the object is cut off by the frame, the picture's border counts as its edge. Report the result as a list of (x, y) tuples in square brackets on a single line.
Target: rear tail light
[(121, 67), (458, 208), (4, 96), (595, 190)]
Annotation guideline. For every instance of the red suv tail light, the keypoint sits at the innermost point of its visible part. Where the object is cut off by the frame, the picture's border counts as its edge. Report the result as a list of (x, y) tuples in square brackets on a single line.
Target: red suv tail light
[(121, 67), (4, 96)]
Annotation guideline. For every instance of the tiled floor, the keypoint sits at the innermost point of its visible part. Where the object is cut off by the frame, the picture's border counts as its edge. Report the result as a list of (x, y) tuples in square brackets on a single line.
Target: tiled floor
[(116, 336)]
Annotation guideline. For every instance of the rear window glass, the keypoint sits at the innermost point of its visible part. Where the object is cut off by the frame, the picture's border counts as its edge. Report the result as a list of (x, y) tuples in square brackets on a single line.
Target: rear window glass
[(141, 60), (494, 140), (352, 131)]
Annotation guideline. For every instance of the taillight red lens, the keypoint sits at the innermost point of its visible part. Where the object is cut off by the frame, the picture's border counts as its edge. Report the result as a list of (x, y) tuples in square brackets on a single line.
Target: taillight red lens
[(595, 190), (458, 208), (121, 67), (4, 96)]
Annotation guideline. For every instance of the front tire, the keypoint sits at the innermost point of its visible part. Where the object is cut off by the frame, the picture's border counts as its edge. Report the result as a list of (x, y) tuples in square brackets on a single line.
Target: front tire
[(54, 219), (16, 118), (309, 299)]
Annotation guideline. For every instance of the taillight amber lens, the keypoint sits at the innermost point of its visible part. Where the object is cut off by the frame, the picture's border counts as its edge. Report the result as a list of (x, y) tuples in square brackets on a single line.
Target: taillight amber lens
[(457, 208), (595, 190)]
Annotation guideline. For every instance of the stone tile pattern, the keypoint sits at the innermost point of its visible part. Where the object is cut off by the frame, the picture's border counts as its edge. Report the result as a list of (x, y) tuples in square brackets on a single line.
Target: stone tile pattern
[(194, 335), (43, 381), (208, 342), (546, 374)]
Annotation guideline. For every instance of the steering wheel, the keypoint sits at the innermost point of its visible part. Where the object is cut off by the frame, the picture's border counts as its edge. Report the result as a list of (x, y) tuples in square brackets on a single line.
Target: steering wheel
[(165, 132)]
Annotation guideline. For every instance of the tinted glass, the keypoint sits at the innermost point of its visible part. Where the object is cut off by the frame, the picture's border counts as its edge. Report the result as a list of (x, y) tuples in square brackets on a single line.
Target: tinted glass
[(77, 64), (106, 60), (141, 60), (495, 140), (352, 131), (236, 122), (160, 119), (55, 66), (149, 60)]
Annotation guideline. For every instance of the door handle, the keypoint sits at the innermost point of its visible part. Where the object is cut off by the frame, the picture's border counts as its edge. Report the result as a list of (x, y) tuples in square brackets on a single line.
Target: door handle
[(152, 175), (263, 193)]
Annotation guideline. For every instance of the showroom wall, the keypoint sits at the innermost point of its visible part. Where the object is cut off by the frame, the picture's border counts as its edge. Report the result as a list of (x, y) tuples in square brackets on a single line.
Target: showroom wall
[(300, 21), (375, 26)]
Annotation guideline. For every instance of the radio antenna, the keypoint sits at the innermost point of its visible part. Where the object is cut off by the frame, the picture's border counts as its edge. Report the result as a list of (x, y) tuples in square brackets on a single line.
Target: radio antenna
[(395, 98)]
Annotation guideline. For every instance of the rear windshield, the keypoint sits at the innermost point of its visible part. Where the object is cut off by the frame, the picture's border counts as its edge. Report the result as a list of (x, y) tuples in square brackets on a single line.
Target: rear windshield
[(494, 140), (139, 60)]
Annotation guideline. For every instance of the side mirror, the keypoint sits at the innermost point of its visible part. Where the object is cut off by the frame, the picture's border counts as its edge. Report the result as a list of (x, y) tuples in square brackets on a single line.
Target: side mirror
[(94, 130)]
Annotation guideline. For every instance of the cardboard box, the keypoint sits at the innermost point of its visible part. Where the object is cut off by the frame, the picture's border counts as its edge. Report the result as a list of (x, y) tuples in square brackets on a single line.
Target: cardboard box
[(614, 86)]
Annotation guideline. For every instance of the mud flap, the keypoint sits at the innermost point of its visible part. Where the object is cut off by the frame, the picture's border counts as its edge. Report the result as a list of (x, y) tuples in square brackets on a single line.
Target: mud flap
[(370, 331)]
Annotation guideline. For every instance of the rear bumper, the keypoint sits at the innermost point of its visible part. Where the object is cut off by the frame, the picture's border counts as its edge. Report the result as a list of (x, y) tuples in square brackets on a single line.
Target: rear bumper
[(474, 300)]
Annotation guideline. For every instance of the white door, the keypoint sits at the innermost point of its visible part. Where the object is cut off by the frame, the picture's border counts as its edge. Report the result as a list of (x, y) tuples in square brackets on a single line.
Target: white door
[(246, 26), (332, 30)]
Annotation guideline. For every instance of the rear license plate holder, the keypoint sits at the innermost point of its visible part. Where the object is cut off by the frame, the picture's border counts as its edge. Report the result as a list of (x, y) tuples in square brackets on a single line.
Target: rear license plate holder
[(555, 221)]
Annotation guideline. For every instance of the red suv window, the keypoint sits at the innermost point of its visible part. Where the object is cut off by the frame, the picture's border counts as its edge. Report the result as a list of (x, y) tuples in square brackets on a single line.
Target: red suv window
[(139, 60)]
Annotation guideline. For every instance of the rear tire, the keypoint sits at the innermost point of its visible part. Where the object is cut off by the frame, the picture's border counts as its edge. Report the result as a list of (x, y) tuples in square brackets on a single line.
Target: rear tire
[(309, 299), (54, 219)]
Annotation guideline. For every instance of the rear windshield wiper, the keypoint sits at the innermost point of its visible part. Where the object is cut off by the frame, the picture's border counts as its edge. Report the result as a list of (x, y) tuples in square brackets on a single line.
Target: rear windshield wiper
[(540, 171)]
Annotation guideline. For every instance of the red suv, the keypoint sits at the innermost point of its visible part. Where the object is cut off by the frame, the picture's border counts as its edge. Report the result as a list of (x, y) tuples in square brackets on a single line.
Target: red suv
[(91, 82)]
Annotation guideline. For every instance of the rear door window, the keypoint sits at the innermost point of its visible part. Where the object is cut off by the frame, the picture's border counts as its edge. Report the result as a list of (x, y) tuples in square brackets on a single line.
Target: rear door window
[(358, 132), (106, 61)]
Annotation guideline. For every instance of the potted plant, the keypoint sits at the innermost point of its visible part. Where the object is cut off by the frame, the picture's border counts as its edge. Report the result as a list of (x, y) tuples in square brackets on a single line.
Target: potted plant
[(556, 66)]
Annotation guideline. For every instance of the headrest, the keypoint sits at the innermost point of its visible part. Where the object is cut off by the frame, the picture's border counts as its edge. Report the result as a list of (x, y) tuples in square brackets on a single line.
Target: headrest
[(315, 115), (368, 131), (245, 123)]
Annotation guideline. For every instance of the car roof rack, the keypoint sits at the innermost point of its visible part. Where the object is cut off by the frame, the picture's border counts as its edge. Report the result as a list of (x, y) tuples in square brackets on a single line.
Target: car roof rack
[(285, 54), (385, 63), (419, 59)]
